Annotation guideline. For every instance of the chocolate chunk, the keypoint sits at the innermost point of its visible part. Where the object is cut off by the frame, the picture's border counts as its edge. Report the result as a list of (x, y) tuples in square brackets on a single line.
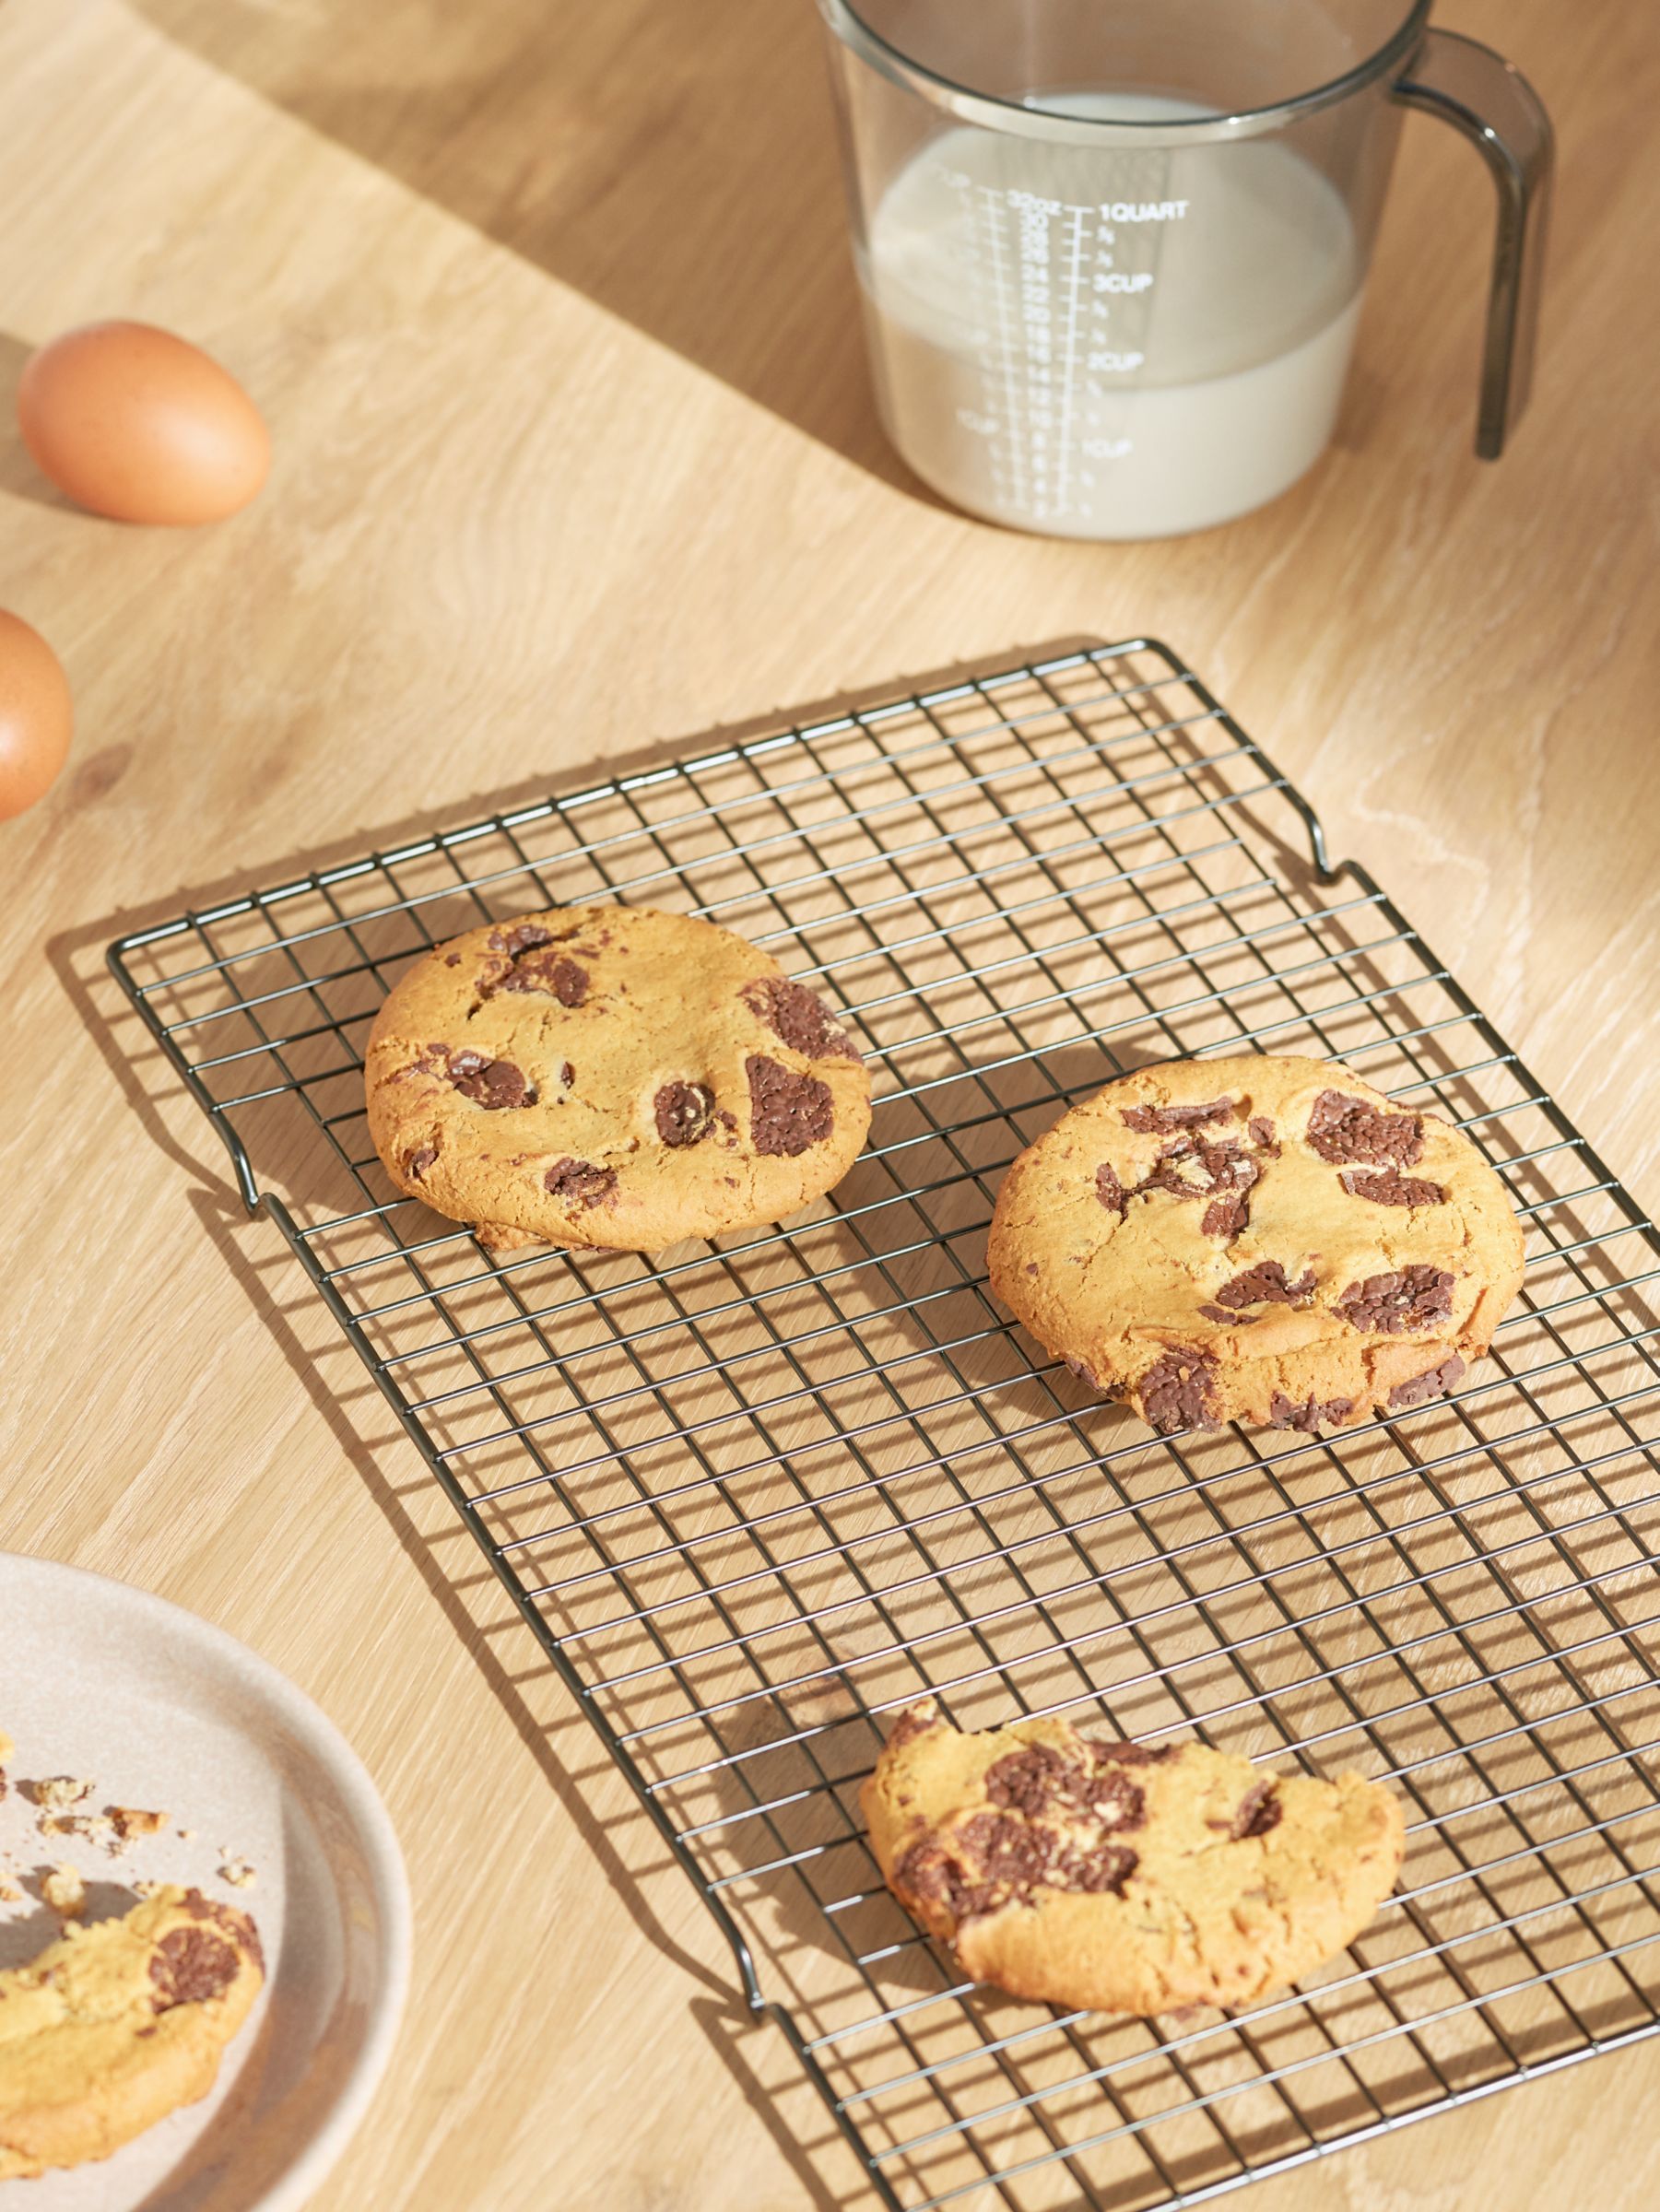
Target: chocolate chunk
[(1191, 1167), (1110, 1190), (1262, 1130), (1242, 1321), (1176, 1391), (493, 1083), (991, 1860), (1041, 1779), (1006, 1851), (578, 1184), (190, 1966), (800, 1017), (929, 1872), (1145, 1118), (521, 937), (1285, 1413), (1266, 1285), (1103, 1870), (1087, 1374), (1409, 1297), (1431, 1385), (1030, 1782), (683, 1114), (1224, 1170), (551, 972), (1342, 1128), (909, 1726), (1168, 1176), (451, 960), (567, 1075), (236, 1924), (1225, 1217), (1133, 1755), (1259, 1810), (1388, 1187), (1116, 1801), (787, 1113), (416, 1163)]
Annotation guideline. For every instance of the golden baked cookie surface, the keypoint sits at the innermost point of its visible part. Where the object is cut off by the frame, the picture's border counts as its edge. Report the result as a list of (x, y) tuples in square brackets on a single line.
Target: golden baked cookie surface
[(1262, 1238), (117, 2024), (610, 1075), (1120, 1877)]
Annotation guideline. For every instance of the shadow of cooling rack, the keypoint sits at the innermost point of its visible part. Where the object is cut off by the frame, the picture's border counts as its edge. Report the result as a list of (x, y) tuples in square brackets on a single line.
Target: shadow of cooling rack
[(753, 1498)]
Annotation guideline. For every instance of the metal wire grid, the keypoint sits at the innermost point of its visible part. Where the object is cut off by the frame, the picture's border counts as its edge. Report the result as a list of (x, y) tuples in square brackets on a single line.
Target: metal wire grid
[(753, 1498)]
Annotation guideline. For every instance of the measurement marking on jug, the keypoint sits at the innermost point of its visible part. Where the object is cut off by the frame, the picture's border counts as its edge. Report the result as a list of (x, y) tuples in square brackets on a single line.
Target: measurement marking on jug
[(1076, 218), (1142, 211), (989, 201), (1032, 214)]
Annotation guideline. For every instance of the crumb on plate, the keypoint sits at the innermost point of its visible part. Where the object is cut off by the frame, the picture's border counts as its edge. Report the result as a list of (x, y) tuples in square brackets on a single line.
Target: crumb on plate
[(60, 1793), (90, 1827), (130, 1821), (65, 1891)]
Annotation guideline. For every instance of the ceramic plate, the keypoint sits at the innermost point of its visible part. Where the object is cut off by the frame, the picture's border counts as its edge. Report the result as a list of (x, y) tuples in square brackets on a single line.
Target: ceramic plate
[(110, 1685)]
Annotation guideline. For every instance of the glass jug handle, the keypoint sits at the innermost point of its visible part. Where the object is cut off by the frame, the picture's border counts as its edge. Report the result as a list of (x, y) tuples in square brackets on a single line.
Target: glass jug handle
[(1492, 103)]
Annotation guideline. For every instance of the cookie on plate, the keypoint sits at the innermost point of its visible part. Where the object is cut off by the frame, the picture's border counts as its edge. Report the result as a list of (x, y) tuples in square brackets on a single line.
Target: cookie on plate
[(1120, 1877), (610, 1075), (1264, 1239), (115, 2024)]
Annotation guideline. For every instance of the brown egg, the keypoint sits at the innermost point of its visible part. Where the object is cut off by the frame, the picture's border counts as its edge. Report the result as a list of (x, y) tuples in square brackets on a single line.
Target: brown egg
[(36, 716), (137, 424)]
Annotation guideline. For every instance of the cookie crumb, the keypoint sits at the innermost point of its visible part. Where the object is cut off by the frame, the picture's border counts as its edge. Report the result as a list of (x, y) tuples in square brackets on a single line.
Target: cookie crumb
[(60, 1793), (65, 1891), (186, 1835), (237, 1872), (91, 1828), (9, 1892), (130, 1822)]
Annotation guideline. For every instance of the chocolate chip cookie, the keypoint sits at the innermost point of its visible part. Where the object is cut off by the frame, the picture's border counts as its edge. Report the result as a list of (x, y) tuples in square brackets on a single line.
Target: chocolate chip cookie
[(116, 2025), (1264, 1239), (1120, 1876), (610, 1075)]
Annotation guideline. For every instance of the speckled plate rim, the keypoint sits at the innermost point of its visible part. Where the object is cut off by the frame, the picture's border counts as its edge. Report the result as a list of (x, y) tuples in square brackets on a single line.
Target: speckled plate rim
[(383, 1856)]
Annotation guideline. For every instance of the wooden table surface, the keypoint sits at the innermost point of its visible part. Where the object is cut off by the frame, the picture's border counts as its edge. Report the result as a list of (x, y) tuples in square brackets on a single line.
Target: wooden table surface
[(550, 309)]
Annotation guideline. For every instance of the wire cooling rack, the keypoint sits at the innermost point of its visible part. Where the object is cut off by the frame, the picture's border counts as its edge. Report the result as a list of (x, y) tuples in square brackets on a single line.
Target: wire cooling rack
[(753, 1498)]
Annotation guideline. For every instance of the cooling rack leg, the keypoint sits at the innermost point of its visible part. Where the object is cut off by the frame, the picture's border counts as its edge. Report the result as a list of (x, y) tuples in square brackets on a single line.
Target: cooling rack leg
[(742, 1955), (1328, 871), (198, 1091)]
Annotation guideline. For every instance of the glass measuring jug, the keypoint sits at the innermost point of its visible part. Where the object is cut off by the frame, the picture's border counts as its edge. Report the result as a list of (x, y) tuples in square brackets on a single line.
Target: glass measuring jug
[(1111, 252)]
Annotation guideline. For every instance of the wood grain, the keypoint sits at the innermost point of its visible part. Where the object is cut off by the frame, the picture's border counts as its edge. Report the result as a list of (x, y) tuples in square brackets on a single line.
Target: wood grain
[(549, 308)]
